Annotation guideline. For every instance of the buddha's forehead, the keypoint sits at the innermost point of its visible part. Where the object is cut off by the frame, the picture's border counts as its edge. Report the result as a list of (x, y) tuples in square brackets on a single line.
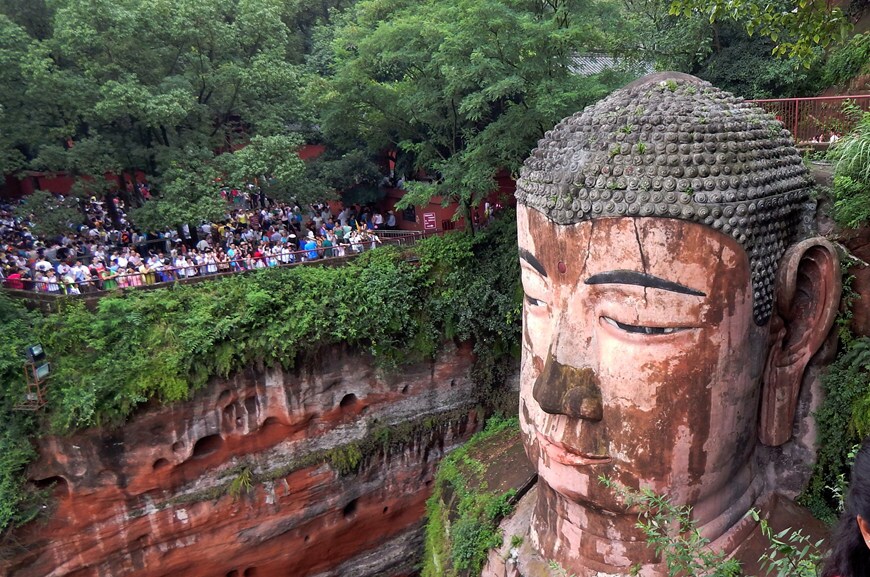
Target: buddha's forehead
[(679, 251)]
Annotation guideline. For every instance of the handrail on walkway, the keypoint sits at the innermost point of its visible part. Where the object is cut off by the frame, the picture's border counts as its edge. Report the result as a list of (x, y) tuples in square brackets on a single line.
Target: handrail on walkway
[(171, 274), (814, 117)]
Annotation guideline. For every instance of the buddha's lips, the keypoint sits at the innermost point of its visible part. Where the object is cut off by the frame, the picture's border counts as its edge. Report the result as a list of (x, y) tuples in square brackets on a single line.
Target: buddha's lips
[(568, 456)]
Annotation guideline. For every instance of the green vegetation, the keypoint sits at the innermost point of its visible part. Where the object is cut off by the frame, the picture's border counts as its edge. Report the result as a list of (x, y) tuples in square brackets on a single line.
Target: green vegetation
[(559, 570), (718, 43), (674, 535), (671, 531), (397, 305), (457, 90), (19, 503), (789, 553), (463, 88), (843, 421), (796, 31), (844, 417), (848, 62), (242, 484), (851, 154), (120, 85), (742, 64), (463, 512), (54, 215)]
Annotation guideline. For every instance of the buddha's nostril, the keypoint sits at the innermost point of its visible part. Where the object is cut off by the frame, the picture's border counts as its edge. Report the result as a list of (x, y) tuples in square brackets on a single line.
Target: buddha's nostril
[(583, 403), (564, 390)]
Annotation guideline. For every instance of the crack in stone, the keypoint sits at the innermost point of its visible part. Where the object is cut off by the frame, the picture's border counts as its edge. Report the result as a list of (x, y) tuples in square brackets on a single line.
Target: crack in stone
[(588, 246), (643, 260)]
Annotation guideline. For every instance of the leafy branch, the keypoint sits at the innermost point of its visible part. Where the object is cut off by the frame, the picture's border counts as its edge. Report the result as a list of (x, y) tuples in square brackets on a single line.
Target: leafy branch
[(671, 531)]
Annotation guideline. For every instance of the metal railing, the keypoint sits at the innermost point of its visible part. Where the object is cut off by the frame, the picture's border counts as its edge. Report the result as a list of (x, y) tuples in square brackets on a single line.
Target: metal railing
[(166, 274), (816, 117)]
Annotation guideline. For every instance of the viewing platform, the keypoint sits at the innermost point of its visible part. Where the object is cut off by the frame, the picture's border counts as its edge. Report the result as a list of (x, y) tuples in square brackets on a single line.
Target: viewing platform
[(37, 296)]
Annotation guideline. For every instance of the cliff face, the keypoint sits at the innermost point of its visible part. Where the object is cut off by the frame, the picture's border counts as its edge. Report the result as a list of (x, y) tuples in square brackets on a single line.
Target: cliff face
[(322, 471)]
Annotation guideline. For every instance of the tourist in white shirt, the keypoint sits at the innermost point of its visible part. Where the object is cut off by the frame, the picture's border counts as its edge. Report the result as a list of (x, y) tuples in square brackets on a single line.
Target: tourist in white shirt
[(43, 266)]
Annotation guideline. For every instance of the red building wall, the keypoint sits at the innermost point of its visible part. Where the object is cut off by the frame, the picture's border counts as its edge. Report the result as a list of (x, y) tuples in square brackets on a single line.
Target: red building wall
[(503, 195)]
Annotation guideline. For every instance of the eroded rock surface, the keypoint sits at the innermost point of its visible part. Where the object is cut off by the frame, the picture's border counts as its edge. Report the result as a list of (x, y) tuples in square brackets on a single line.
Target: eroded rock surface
[(246, 478)]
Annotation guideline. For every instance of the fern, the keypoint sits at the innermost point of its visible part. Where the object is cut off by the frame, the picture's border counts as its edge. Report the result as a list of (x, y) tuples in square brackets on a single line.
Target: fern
[(242, 483)]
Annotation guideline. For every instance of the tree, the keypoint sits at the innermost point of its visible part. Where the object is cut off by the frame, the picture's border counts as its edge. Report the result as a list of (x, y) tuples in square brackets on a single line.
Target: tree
[(796, 27), (14, 110), (742, 64), (32, 15), (124, 85), (649, 33), (191, 192), (720, 51), (56, 215), (462, 87), (272, 161)]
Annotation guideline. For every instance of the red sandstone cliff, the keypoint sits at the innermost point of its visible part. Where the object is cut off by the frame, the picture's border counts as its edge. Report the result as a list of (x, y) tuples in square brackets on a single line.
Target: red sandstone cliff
[(167, 493)]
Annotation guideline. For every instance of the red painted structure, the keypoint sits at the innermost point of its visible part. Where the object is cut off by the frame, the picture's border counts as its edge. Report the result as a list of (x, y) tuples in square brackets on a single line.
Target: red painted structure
[(57, 182), (413, 219), (310, 151), (410, 220), (815, 117)]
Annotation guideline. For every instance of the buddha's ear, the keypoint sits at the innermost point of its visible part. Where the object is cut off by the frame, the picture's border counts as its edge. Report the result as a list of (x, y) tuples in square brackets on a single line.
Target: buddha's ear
[(807, 299)]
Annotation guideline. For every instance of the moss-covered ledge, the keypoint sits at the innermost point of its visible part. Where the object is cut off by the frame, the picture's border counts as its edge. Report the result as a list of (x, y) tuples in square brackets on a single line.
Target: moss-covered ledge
[(475, 487), (347, 459)]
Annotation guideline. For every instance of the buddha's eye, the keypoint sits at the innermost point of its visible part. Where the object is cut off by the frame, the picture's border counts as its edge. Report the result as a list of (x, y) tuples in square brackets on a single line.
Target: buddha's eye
[(643, 330), (534, 302)]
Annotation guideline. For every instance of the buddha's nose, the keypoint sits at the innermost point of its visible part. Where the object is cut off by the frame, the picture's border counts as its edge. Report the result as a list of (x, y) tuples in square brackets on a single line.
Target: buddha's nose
[(564, 390)]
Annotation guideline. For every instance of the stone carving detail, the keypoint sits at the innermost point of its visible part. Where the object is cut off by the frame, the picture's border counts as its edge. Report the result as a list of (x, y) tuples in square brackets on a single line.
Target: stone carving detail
[(671, 311), (677, 148)]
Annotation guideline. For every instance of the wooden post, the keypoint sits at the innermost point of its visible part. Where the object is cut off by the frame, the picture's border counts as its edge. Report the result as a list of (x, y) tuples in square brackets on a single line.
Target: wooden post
[(794, 133)]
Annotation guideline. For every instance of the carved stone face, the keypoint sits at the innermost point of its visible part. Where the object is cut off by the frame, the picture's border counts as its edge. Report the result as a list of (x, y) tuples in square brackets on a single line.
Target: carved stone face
[(641, 360)]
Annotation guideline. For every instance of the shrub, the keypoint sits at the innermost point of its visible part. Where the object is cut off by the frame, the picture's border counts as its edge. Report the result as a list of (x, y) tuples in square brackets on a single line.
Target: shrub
[(843, 420), (848, 61), (851, 192)]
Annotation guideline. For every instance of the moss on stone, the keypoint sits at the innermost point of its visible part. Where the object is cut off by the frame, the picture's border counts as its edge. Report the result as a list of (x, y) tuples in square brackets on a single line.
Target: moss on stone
[(464, 511)]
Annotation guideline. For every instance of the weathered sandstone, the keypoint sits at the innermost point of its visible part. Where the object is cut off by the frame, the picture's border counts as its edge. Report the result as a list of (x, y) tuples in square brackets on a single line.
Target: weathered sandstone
[(243, 479)]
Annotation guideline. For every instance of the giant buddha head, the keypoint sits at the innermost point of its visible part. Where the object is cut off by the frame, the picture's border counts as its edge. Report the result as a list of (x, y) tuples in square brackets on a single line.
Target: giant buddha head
[(673, 298)]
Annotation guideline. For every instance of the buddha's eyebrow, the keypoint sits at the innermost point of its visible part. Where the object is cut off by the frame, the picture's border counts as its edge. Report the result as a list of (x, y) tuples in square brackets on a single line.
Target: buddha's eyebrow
[(641, 279), (533, 262)]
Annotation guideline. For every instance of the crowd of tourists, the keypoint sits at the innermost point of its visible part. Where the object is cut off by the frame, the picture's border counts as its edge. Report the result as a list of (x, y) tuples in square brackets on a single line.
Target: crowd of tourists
[(107, 252)]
